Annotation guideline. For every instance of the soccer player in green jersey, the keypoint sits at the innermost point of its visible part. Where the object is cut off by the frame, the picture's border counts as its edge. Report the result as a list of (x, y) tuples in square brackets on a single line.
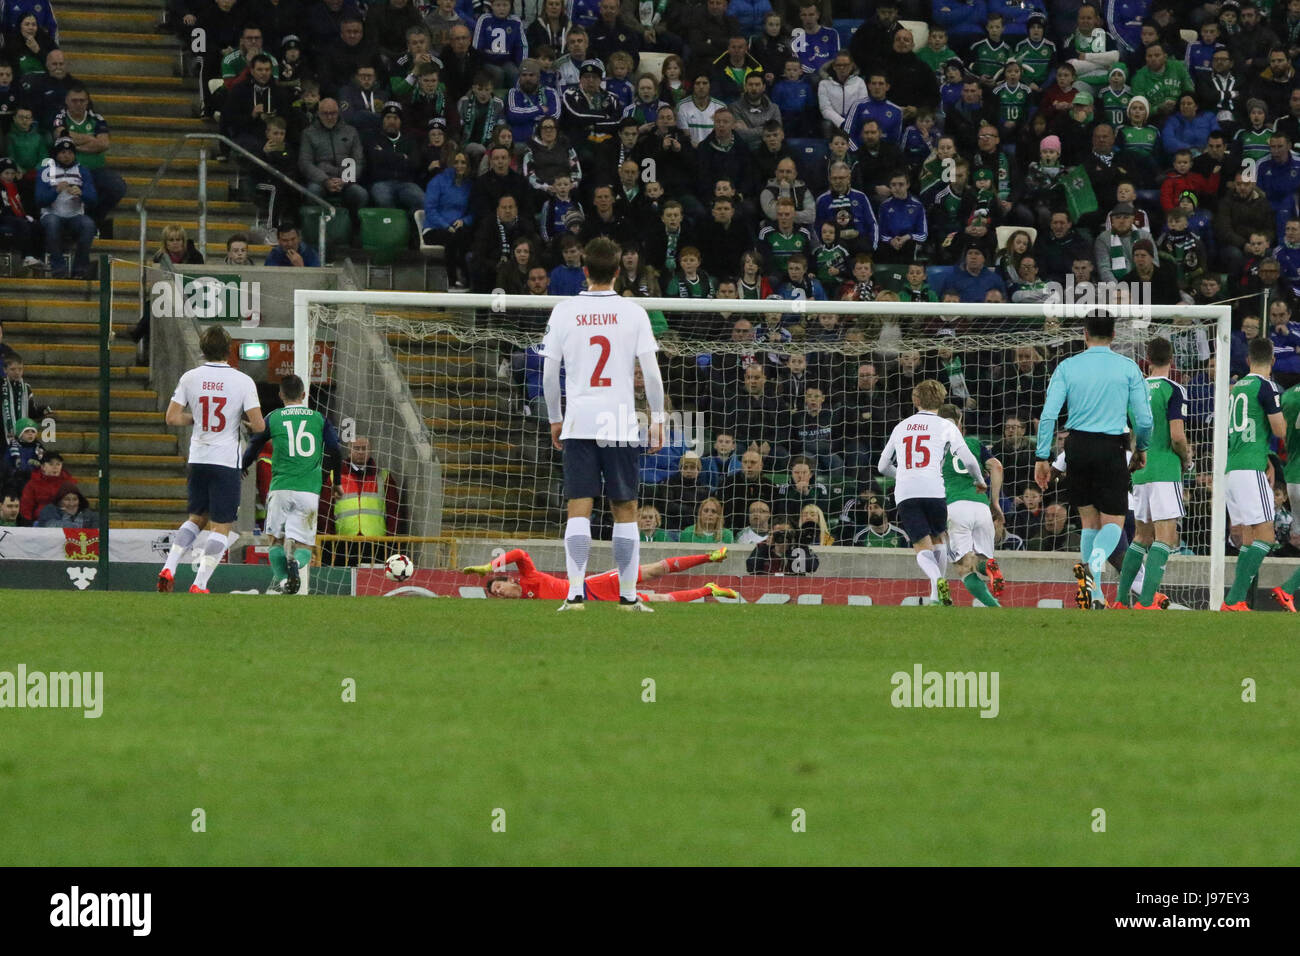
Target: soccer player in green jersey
[(299, 438), (1254, 413), (970, 516), (1286, 594), (1158, 485)]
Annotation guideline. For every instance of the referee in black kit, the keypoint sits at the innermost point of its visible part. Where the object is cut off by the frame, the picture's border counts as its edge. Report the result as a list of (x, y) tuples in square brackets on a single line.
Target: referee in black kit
[(1103, 389)]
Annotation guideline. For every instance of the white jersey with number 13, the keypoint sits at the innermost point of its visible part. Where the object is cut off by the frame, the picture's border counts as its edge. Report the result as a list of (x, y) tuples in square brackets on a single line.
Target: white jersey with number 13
[(598, 336), (217, 396)]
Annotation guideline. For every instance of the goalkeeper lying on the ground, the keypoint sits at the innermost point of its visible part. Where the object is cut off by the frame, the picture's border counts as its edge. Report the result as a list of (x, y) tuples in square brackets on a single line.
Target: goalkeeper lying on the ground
[(597, 587)]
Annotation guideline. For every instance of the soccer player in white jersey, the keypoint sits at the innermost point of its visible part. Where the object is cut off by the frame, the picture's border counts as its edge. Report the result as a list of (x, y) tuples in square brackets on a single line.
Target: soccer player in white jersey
[(599, 337), (915, 455), (212, 398)]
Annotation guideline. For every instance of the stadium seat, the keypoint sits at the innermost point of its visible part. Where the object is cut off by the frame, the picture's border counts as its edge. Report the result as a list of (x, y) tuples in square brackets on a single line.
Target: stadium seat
[(888, 275), (845, 28), (809, 155), (652, 63), (429, 253), (337, 233), (1004, 233), (936, 276), (384, 235), (920, 32)]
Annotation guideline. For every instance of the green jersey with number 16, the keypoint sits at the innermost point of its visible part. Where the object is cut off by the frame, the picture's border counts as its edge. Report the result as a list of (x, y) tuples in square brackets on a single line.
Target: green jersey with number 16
[(298, 435), (1291, 412)]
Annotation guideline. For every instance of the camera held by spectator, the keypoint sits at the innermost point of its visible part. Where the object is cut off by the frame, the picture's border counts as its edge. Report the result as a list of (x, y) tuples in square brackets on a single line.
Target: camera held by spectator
[(781, 553)]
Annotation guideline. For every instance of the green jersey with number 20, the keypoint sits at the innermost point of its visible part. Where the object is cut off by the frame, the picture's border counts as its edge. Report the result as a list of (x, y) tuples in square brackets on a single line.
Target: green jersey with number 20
[(298, 448), (1254, 398)]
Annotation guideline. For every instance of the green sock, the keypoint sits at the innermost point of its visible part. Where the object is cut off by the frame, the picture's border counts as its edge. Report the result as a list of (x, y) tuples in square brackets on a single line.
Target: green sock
[(1160, 553), (1133, 559), (982, 567), (1248, 563), (279, 566), (303, 557), (1292, 583), (976, 586)]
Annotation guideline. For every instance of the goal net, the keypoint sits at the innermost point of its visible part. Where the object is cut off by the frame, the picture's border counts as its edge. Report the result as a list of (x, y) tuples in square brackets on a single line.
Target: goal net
[(778, 412)]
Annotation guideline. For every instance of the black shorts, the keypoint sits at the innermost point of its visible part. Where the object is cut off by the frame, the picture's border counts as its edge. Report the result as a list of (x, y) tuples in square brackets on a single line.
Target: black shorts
[(923, 517), (593, 468), (1098, 471), (214, 491)]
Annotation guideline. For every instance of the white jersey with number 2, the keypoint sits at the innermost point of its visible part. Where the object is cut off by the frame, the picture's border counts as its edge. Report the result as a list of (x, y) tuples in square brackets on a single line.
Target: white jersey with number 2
[(919, 445), (598, 336), (217, 396)]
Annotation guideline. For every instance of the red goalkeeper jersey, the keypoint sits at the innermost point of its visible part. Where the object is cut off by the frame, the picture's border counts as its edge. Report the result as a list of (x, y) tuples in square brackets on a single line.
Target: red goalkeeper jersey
[(547, 587)]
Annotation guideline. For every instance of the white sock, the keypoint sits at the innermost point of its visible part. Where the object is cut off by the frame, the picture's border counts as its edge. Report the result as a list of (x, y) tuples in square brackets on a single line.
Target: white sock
[(302, 581), (940, 552), (577, 548), (930, 565), (627, 556), (212, 553), (181, 543), (1138, 581)]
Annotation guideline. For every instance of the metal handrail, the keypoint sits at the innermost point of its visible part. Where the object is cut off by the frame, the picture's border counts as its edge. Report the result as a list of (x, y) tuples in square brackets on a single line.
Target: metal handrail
[(140, 206)]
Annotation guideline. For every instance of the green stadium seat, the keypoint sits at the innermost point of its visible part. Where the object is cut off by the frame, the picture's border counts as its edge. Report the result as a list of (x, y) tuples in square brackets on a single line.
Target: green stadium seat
[(338, 233), (385, 234)]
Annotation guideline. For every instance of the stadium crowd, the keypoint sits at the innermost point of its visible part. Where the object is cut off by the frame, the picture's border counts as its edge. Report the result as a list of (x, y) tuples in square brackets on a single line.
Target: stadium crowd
[(869, 150)]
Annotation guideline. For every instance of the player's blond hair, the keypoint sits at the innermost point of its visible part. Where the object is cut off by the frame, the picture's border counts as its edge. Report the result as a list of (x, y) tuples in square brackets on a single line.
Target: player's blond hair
[(929, 395)]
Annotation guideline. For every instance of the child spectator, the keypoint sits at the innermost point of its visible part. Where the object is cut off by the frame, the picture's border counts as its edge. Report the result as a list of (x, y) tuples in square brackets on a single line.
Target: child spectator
[(28, 147), (1034, 53), (555, 209), (44, 485), (480, 113), (425, 100), (569, 278), (24, 453), (15, 223), (237, 250), (438, 151), (860, 284), (1201, 51), (1043, 193), (499, 38), (903, 227), (1056, 101), (936, 51), (1199, 222), (724, 461), (69, 509), (648, 521), (915, 286), (617, 84), (831, 257), (798, 284), (990, 54), (815, 432), (920, 139), (1182, 179), (1013, 101), (689, 281), (954, 78), (794, 97), (1251, 141), (17, 400), (1182, 249)]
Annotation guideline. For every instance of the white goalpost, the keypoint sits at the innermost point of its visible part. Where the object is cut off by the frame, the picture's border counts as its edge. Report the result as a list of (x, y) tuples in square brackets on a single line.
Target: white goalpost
[(441, 384)]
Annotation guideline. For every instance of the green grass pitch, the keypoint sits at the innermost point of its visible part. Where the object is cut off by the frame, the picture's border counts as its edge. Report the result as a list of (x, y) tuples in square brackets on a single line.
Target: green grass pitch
[(234, 705)]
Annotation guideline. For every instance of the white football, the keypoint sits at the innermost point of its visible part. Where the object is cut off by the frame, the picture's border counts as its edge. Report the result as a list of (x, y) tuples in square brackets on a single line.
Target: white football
[(399, 567)]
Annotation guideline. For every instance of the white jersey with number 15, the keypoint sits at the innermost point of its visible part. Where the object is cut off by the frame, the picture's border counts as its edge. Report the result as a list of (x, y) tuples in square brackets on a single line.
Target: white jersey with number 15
[(920, 444), (598, 336), (217, 396)]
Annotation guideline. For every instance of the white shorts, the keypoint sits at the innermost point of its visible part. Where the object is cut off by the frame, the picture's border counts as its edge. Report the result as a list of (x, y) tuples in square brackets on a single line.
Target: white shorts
[(292, 514), (1250, 499), (1158, 501), (970, 528)]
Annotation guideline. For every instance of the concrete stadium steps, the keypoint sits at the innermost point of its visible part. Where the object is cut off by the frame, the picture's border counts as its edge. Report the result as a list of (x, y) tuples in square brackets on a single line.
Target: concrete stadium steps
[(126, 253), (84, 463), (76, 355), (172, 189), (97, 38), (70, 402), (120, 443), (129, 224), (96, 81), (416, 365), (115, 105), (88, 63), (170, 510), (444, 383), (88, 418), (147, 145), (130, 124), (490, 497), (126, 17), (84, 376)]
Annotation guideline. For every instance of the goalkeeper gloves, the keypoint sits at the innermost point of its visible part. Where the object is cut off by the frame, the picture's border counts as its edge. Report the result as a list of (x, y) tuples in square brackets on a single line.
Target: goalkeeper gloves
[(477, 569)]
